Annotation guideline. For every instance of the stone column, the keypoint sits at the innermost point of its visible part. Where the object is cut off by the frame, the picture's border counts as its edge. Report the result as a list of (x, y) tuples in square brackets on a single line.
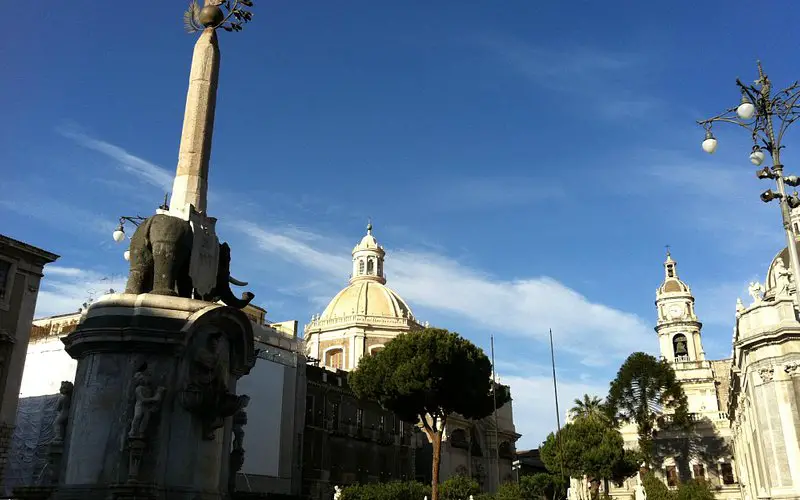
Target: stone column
[(787, 408), (191, 179), (154, 391)]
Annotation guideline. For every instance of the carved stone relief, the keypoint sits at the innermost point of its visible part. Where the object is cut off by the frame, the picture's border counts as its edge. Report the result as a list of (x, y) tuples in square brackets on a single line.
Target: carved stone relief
[(205, 388), (792, 368), (147, 402), (766, 374)]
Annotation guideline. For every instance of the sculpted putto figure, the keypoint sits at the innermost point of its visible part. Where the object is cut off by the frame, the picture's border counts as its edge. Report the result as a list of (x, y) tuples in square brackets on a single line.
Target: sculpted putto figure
[(781, 276), (64, 402), (756, 291), (337, 492), (147, 403)]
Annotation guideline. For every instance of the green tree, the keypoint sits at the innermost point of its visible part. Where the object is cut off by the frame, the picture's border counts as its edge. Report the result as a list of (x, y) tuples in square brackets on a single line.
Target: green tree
[(644, 390), (588, 407), (589, 447), (427, 375), (655, 489), (459, 488), (395, 490), (695, 489), (509, 491), (543, 486)]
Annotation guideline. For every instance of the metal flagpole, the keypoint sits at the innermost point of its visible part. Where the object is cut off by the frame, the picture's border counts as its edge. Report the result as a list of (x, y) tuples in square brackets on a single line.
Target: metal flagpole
[(558, 413), (494, 396)]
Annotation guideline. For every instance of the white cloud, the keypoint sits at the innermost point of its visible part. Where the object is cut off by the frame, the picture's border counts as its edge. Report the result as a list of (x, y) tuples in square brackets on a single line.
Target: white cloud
[(65, 271), (534, 404), (64, 289), (585, 72), (148, 172), (523, 308)]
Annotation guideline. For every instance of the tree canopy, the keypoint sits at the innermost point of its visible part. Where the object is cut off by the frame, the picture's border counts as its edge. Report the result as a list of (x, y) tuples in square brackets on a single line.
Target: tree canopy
[(643, 391), (425, 376), (458, 488), (589, 447)]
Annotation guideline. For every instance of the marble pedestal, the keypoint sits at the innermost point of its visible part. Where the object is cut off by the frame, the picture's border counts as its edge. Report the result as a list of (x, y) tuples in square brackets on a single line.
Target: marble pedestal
[(154, 388)]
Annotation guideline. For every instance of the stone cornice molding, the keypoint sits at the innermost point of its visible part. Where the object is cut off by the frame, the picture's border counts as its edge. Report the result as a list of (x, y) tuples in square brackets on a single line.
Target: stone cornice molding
[(320, 325), (664, 324)]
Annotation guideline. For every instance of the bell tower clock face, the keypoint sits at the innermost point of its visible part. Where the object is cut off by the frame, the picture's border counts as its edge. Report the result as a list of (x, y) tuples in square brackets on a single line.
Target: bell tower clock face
[(675, 311)]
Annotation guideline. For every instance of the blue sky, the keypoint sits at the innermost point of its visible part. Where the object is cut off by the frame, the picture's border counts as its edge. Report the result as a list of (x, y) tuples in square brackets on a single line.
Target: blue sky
[(524, 164)]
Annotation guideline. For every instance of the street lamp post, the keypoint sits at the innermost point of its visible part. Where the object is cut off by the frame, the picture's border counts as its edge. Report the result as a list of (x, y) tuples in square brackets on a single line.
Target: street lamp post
[(759, 111)]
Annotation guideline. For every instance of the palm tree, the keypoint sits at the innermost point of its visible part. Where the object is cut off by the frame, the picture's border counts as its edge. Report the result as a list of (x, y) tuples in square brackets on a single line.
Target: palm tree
[(588, 407)]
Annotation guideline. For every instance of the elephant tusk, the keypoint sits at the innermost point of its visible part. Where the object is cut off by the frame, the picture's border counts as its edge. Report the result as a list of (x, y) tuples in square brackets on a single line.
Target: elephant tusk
[(234, 281)]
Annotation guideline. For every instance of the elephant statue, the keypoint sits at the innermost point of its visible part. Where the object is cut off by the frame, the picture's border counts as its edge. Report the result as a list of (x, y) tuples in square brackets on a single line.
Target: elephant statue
[(160, 250)]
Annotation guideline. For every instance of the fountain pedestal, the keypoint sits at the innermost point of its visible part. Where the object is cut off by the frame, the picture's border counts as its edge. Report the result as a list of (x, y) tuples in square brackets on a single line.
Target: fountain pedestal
[(154, 390)]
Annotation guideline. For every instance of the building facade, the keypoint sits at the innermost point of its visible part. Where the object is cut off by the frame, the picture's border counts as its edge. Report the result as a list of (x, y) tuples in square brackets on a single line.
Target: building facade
[(764, 403), (358, 322), (21, 267), (706, 450), (349, 440)]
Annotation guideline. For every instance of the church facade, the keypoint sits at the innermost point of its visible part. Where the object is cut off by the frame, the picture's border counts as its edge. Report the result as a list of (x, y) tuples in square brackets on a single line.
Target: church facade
[(358, 322), (706, 450), (764, 403)]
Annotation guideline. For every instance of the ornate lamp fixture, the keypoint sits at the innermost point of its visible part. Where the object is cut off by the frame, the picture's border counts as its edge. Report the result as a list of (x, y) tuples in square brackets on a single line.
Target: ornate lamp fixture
[(766, 115)]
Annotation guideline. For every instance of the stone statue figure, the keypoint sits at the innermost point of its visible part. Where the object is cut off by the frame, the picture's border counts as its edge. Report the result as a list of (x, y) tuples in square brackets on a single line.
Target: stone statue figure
[(64, 403), (781, 277), (239, 421), (148, 401), (206, 394), (337, 492), (739, 306), (756, 292)]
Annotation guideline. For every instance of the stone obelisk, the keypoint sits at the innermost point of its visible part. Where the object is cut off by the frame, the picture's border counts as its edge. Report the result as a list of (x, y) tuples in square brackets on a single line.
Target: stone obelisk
[(191, 178)]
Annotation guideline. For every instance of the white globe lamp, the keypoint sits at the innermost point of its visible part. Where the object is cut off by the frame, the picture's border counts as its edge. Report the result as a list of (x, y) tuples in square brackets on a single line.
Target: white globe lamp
[(746, 110), (757, 157), (119, 234), (709, 144)]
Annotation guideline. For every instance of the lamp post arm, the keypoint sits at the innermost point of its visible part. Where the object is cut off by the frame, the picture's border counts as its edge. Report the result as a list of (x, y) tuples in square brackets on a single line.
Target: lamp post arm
[(751, 92)]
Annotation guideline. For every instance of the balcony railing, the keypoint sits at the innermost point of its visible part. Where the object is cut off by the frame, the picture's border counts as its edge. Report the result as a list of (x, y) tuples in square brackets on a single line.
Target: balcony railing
[(715, 416)]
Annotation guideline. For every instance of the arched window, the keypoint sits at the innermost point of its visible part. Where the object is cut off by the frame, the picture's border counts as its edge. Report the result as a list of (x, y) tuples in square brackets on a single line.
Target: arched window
[(679, 347), (360, 267), (335, 358), (371, 266), (458, 439), (375, 350), (505, 451)]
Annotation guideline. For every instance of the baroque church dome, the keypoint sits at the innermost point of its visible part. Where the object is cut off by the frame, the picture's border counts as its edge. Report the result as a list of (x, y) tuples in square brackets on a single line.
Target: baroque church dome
[(367, 293), (361, 318), (367, 298)]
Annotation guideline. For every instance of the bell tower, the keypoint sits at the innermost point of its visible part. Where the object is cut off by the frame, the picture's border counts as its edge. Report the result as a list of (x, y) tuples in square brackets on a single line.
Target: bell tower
[(677, 326), (368, 258)]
